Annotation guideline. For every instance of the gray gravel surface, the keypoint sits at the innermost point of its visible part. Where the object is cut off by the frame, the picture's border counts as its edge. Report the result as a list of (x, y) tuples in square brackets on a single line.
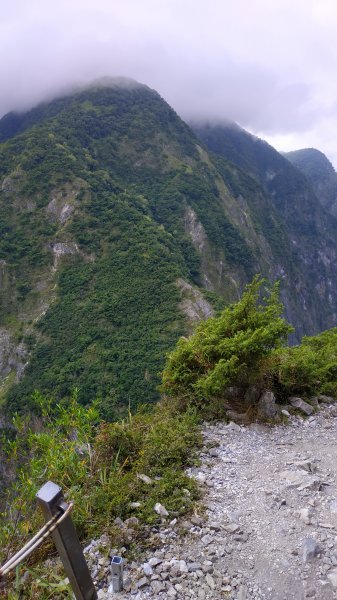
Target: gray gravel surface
[(269, 530)]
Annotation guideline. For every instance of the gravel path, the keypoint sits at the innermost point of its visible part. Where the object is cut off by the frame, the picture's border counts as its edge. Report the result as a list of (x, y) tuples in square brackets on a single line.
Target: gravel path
[(270, 527)]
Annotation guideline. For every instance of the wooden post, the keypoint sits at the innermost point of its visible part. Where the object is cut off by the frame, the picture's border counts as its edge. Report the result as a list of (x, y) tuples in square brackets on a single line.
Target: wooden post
[(50, 498)]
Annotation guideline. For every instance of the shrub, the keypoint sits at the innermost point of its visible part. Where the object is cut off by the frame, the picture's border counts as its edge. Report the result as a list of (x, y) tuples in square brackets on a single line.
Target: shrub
[(229, 350)]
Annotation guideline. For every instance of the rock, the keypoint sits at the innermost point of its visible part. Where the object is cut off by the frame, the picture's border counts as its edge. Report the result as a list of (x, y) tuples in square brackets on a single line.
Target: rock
[(325, 399), (285, 413), (193, 566), (145, 479), (242, 593), (252, 395), (332, 576), (301, 405), (161, 510), (142, 582), (154, 561), (207, 539), (213, 452), (210, 581), (147, 569), (242, 418), (158, 586), (232, 528), (305, 515), (135, 504), (233, 426), (266, 408), (310, 549), (131, 522), (306, 465)]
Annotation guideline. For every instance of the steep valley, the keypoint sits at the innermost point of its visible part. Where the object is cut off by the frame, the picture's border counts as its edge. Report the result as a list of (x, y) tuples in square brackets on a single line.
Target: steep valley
[(120, 226)]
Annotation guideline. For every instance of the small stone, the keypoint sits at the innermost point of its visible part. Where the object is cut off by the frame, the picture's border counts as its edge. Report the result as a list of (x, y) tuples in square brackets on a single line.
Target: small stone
[(145, 478), (157, 586), (242, 592), (135, 504), (154, 561), (147, 569), (325, 399), (142, 582), (301, 405), (305, 515), (193, 566), (332, 576), (131, 522), (207, 539), (232, 528), (183, 567), (310, 549), (210, 581), (160, 510)]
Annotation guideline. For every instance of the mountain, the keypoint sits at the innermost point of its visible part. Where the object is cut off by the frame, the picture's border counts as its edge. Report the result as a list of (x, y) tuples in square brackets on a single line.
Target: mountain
[(119, 228), (321, 174), (309, 232)]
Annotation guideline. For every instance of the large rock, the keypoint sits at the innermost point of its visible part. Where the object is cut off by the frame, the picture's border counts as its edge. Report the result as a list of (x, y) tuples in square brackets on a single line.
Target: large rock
[(301, 405), (266, 408)]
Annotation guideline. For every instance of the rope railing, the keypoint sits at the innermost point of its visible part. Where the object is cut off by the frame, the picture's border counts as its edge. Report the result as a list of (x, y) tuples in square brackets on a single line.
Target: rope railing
[(59, 524), (36, 541)]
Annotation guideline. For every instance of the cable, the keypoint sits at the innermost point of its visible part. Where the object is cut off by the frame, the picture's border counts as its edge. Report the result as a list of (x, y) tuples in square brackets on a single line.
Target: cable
[(41, 535)]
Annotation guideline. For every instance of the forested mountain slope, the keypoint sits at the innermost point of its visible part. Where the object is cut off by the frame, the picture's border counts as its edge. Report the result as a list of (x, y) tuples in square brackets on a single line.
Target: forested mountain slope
[(321, 174), (309, 229), (118, 228)]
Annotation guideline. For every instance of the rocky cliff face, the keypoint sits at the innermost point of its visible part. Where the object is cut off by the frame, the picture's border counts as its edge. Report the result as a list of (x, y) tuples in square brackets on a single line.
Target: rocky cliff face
[(321, 174), (304, 247), (119, 227)]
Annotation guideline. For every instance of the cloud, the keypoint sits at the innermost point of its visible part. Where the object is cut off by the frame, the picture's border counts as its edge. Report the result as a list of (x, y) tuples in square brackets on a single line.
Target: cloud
[(268, 65)]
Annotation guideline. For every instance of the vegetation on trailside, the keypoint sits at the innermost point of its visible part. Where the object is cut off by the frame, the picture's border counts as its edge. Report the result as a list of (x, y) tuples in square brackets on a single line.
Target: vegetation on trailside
[(228, 350), (245, 346), (97, 463)]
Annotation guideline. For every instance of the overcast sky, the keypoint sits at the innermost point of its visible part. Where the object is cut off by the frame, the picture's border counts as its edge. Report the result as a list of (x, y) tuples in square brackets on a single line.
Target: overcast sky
[(270, 65)]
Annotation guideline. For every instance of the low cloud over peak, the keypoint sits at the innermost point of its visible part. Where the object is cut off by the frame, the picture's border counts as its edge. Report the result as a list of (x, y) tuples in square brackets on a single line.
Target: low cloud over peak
[(269, 66)]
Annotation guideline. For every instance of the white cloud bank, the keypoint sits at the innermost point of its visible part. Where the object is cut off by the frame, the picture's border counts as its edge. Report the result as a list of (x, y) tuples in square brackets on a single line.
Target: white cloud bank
[(271, 66)]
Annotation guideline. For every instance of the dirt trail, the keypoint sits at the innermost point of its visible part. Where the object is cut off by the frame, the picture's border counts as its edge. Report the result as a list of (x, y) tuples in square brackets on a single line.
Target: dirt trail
[(270, 529)]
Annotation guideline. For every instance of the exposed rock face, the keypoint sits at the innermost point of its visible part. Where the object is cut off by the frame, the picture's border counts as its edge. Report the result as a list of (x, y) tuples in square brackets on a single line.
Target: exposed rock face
[(306, 233), (13, 357), (195, 229), (321, 174), (193, 305), (63, 202), (62, 248)]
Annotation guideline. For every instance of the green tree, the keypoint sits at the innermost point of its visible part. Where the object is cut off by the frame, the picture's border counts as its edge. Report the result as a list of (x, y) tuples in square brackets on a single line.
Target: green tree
[(229, 350)]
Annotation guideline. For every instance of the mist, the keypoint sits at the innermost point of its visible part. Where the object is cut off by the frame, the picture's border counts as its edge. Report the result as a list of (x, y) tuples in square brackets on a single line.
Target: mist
[(271, 67)]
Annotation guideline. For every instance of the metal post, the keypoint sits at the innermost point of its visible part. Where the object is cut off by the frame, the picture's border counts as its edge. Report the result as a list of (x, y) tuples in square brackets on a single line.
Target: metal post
[(51, 500), (117, 573)]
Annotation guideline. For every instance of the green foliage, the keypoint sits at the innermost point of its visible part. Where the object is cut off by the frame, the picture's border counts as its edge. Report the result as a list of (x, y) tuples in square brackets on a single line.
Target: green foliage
[(228, 350), (310, 368), (129, 167), (97, 465)]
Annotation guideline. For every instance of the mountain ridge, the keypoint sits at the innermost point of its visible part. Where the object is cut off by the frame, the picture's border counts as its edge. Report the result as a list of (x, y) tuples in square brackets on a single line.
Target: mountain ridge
[(108, 201)]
